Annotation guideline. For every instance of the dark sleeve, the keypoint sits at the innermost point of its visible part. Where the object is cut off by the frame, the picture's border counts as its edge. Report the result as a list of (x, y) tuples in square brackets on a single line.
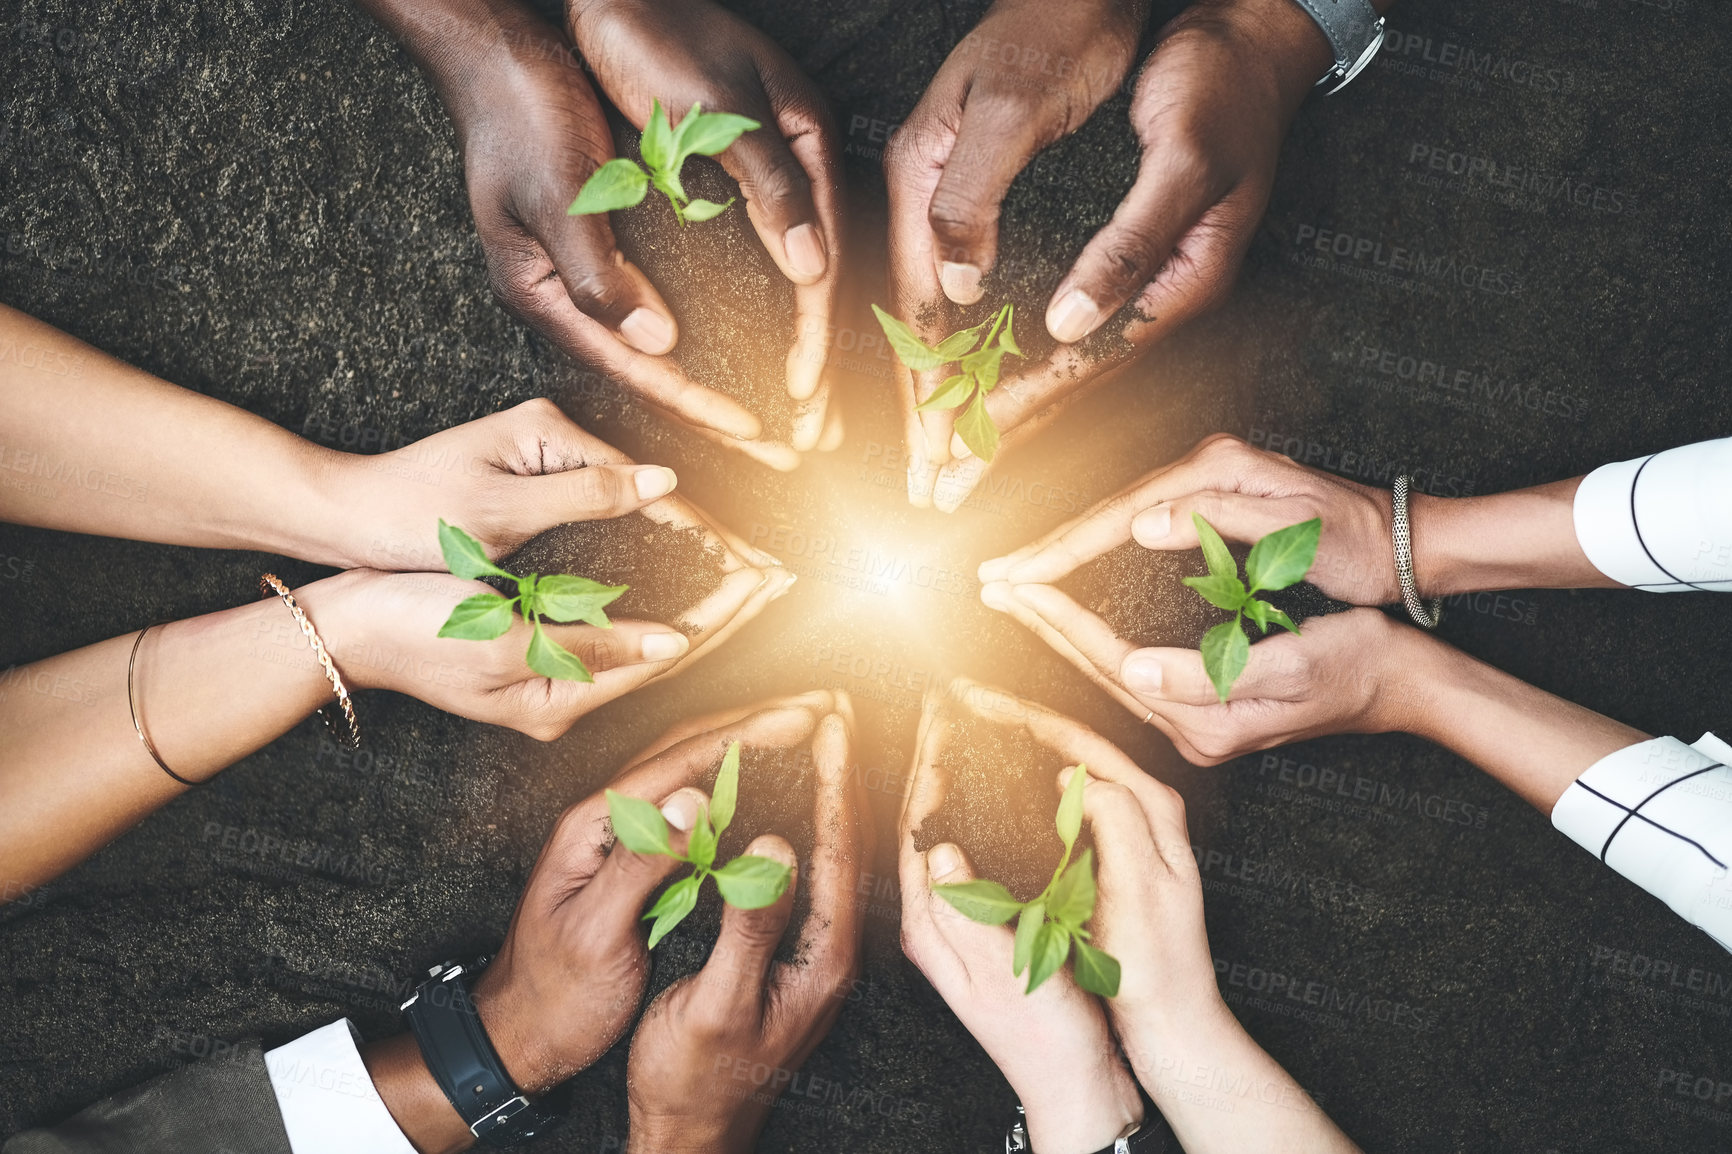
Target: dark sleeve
[(224, 1106)]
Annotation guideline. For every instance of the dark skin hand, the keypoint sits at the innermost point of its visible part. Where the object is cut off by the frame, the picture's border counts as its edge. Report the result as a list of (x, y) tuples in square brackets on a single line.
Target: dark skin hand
[(571, 973), (1211, 107), (692, 51), (532, 131)]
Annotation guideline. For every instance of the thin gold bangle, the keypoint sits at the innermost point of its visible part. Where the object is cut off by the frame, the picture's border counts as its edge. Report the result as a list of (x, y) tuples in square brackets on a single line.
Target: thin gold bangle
[(270, 583), (132, 705)]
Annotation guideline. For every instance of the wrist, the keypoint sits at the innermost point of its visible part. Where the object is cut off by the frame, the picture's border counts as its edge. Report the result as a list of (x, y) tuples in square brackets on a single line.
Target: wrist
[(1082, 1122), (1285, 36), (652, 1134), (1157, 1037), (1525, 539)]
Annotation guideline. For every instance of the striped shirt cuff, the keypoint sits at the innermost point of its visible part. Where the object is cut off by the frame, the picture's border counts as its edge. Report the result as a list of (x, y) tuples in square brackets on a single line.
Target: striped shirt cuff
[(327, 1098), (1661, 522), (1660, 813)]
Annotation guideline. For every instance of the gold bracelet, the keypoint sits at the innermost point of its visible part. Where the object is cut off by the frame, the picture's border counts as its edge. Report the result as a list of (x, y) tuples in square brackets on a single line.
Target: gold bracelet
[(270, 583), (132, 704)]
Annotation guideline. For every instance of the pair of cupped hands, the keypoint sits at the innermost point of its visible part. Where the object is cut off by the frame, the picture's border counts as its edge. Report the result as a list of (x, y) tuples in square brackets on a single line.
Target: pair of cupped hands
[(710, 1055), (1210, 107)]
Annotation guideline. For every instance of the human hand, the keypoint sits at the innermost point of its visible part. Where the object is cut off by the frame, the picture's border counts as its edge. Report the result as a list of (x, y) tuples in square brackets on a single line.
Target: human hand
[(693, 51), (690, 1081), (382, 630), (1211, 108), (1053, 1046), (1246, 493)]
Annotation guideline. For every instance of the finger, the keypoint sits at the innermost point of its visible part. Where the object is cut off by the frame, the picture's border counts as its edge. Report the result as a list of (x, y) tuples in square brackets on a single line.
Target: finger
[(1235, 516), (604, 286), (776, 584), (817, 246), (995, 140), (626, 643), (834, 430), (976, 945), (778, 192), (927, 788), (748, 939), (1096, 533), (1199, 274), (782, 458), (721, 607), (1159, 677), (1171, 193), (626, 879), (1129, 859), (829, 949), (1134, 807), (591, 493), (725, 719)]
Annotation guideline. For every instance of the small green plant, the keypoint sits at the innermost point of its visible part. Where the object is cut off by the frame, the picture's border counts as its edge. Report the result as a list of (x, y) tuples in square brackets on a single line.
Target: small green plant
[(749, 882), (622, 183), (557, 598), (1277, 561), (980, 359), (1052, 924)]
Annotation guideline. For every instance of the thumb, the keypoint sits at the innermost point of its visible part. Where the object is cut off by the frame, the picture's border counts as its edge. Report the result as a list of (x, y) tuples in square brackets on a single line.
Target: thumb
[(1237, 517), (590, 492), (603, 285), (626, 879), (748, 939), (995, 141)]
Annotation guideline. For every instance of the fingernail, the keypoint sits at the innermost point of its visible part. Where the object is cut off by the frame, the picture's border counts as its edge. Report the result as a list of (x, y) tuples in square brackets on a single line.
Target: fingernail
[(664, 646), (653, 481), (783, 591), (773, 848), (681, 810), (1151, 526), (961, 281), (1072, 317), (996, 595), (805, 248), (942, 860), (1142, 674), (648, 331), (958, 448)]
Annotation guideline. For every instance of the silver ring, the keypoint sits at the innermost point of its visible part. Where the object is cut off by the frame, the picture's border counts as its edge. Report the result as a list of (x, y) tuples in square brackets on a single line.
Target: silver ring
[(1149, 718)]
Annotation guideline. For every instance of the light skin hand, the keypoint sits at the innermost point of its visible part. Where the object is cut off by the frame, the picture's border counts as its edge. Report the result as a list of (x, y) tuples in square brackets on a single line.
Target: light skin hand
[(1522, 539), (789, 170), (1053, 1046)]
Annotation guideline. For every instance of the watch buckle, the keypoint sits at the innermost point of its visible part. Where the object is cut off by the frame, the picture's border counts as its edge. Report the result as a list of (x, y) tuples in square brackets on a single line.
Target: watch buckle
[(498, 1116)]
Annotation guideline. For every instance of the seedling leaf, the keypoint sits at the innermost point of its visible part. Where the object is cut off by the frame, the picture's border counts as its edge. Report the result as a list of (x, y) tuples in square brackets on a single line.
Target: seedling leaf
[(956, 344), (1222, 592), (1225, 652), (657, 145), (1051, 947), (638, 824), (976, 429), (707, 133), (1096, 970), (552, 660), (954, 392), (565, 598), (727, 791), (910, 349), (750, 882), (1027, 928), (1070, 808), (1007, 338), (479, 618), (981, 900), (618, 184), (701, 844), (671, 908), (984, 365), (1214, 550), (464, 555), (1284, 556), (1276, 617), (701, 210), (1073, 897)]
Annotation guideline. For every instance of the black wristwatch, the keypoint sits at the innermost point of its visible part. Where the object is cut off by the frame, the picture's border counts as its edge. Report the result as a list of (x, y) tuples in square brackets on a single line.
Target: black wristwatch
[(454, 1044), (1153, 1136)]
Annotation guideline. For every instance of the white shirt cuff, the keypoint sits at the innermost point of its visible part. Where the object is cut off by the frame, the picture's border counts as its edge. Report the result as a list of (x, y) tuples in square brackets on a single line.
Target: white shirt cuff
[(1660, 813), (1663, 522), (327, 1098)]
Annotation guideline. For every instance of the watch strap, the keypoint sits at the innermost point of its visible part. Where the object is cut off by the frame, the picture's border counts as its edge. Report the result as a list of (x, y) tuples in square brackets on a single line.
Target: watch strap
[(1152, 1136), (462, 1060), (1355, 33)]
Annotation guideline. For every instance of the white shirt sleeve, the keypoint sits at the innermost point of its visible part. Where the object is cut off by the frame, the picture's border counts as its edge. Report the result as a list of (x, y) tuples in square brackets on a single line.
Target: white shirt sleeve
[(327, 1098), (1660, 813), (1661, 522)]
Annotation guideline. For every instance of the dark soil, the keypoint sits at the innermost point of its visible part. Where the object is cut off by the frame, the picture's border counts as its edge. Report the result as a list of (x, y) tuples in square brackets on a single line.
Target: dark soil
[(1138, 593), (1000, 806), (669, 569), (734, 307)]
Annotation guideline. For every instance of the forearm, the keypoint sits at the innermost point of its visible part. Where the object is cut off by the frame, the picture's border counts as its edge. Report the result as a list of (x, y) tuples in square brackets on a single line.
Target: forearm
[(1219, 1090), (1532, 741), (209, 691), (450, 39), (1525, 539), (418, 1106), (89, 444)]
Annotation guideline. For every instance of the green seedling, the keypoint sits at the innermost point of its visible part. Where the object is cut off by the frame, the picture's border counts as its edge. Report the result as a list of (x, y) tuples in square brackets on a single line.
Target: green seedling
[(557, 598), (1051, 925), (1277, 561), (979, 355), (749, 882), (622, 183)]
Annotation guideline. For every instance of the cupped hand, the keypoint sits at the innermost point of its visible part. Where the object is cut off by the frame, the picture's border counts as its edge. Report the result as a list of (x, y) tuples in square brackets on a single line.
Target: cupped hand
[(1211, 108), (382, 630), (1246, 493), (685, 52), (716, 1048), (1053, 1046)]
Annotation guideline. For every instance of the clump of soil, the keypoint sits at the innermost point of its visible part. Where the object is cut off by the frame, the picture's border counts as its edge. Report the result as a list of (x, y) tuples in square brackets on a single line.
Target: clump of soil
[(670, 569), (734, 307), (1137, 592), (1000, 806)]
